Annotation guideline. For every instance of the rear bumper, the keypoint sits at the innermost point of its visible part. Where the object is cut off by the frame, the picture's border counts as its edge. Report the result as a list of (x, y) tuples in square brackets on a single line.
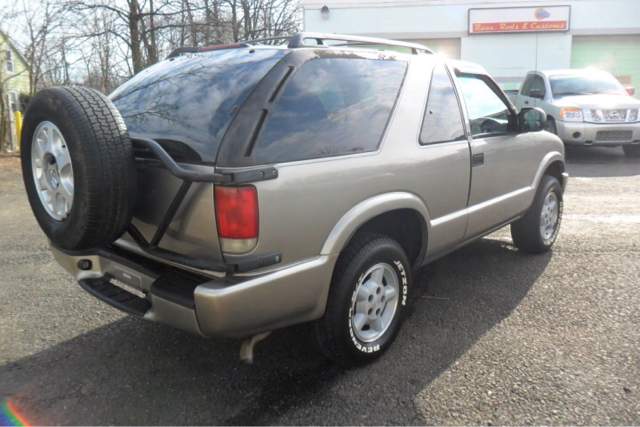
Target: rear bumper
[(587, 133), (226, 307)]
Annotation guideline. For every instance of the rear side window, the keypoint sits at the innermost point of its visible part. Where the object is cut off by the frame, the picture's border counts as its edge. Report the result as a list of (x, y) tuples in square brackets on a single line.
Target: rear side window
[(332, 106), (442, 120)]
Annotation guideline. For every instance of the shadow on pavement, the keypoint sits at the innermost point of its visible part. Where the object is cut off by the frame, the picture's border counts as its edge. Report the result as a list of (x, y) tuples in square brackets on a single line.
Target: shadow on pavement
[(136, 373), (592, 162)]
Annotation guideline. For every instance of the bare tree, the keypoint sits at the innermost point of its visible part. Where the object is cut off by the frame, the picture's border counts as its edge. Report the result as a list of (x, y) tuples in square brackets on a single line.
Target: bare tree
[(102, 42)]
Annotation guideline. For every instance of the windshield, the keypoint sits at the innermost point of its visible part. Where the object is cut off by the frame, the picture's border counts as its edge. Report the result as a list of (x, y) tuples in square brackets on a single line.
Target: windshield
[(585, 84)]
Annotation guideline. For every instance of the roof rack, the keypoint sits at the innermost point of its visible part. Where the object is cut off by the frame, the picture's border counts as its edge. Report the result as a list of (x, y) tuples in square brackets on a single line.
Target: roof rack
[(299, 40), (194, 49), (318, 40)]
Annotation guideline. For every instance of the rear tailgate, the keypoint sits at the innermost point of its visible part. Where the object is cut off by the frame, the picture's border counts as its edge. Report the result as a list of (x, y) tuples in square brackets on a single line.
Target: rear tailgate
[(191, 230), (185, 104)]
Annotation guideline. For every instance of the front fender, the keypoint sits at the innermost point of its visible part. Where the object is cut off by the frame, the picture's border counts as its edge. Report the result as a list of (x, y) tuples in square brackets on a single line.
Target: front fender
[(547, 160), (367, 209)]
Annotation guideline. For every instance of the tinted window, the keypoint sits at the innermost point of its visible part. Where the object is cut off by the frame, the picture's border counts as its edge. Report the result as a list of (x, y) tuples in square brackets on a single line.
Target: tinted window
[(332, 106), (538, 84), (487, 112), (526, 86), (442, 120), (193, 98)]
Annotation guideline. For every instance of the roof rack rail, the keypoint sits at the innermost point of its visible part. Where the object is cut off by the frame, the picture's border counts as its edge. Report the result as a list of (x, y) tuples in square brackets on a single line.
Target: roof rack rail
[(194, 49), (267, 39), (298, 40)]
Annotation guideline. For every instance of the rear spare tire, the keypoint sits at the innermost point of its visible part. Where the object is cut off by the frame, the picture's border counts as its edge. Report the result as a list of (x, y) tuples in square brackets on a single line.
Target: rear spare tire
[(78, 167)]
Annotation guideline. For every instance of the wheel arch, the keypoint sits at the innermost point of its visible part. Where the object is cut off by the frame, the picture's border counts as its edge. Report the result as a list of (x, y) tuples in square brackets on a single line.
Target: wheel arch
[(396, 215), (552, 164), (555, 169)]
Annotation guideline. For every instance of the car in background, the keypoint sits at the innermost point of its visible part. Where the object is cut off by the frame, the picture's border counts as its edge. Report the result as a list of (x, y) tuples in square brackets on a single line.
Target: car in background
[(584, 107)]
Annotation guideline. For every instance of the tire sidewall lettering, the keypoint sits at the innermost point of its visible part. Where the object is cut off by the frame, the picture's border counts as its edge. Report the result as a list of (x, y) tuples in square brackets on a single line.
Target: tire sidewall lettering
[(376, 345)]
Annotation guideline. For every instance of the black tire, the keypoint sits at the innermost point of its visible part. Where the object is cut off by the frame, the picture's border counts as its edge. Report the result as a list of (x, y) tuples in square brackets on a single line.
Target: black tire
[(631, 150), (526, 232), (334, 332), (551, 126), (101, 155)]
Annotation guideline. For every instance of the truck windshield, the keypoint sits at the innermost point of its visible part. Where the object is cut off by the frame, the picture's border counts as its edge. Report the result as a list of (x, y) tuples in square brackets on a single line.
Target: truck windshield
[(192, 98), (585, 84)]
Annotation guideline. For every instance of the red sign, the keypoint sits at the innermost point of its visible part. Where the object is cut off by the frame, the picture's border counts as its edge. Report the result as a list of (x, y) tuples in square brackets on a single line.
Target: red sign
[(519, 19), (496, 27)]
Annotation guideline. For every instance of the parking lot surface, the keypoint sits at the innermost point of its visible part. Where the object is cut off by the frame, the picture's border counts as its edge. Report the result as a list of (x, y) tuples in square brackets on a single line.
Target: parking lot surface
[(493, 336)]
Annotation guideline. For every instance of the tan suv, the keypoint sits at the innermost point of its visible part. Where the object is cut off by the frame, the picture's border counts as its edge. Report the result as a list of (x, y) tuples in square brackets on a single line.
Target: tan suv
[(233, 190)]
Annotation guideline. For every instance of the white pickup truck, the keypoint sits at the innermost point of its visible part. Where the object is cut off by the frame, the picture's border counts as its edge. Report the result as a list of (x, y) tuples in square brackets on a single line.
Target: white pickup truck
[(584, 107)]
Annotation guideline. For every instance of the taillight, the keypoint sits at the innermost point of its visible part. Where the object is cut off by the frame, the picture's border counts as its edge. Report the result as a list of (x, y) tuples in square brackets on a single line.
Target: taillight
[(237, 218)]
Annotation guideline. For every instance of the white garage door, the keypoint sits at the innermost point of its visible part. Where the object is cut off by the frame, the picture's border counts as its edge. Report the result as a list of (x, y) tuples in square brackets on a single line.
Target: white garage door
[(620, 55)]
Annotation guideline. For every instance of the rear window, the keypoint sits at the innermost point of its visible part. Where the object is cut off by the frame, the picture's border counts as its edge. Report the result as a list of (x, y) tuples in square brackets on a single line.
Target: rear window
[(192, 99), (332, 106)]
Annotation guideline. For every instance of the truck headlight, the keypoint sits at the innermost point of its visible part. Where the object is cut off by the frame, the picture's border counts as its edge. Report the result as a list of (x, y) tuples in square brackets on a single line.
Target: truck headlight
[(632, 115), (570, 114)]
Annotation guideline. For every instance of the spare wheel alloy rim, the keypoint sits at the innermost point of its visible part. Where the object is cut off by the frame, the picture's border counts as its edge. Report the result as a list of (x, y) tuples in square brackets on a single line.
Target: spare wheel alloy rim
[(376, 302), (52, 170)]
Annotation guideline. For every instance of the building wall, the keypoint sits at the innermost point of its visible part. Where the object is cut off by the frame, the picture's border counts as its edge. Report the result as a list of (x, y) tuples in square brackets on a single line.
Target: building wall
[(618, 54), (17, 81), (507, 57), (20, 83)]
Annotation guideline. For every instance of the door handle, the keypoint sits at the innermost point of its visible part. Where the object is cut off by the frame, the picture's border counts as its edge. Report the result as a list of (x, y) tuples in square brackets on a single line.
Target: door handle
[(526, 102), (478, 159)]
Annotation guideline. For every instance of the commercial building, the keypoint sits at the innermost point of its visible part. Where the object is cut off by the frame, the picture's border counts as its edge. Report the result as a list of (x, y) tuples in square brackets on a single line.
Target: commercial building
[(508, 38)]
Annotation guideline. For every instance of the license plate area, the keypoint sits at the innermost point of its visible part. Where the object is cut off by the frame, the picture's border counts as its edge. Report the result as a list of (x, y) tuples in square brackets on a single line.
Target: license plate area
[(613, 135)]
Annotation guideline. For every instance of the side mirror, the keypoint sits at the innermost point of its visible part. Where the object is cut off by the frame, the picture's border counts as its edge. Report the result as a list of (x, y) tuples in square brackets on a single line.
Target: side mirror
[(532, 120), (631, 90), (536, 93)]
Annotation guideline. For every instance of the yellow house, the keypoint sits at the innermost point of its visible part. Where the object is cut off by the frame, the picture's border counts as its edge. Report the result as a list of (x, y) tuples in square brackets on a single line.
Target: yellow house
[(14, 81)]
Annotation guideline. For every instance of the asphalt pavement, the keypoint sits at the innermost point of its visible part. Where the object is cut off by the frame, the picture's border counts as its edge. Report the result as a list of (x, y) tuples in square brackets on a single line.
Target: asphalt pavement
[(493, 337)]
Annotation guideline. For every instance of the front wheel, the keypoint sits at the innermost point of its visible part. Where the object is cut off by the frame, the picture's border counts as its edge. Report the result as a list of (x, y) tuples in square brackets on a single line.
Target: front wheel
[(538, 229), (631, 150), (551, 126), (367, 301)]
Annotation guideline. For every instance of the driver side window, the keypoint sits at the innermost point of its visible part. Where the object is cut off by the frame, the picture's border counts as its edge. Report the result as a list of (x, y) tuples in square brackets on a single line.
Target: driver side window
[(488, 114), (538, 84), (526, 86)]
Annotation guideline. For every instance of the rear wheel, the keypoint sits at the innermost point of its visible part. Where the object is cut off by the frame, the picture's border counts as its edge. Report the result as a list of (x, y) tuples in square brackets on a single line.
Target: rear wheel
[(631, 150), (78, 167), (367, 301), (537, 230)]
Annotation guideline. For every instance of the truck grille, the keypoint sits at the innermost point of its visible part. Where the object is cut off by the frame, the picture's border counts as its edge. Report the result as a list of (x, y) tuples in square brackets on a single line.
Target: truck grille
[(614, 115)]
